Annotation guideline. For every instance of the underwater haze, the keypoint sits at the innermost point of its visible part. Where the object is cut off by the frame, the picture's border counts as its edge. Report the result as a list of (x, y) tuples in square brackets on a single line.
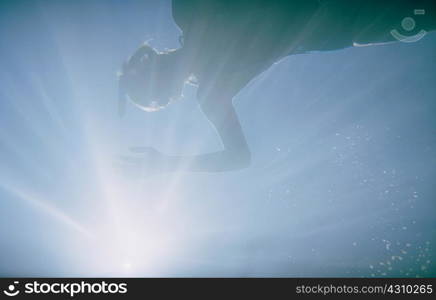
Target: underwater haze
[(342, 181)]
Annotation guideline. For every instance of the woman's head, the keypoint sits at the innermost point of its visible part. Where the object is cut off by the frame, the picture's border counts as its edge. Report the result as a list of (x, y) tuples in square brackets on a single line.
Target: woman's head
[(150, 80)]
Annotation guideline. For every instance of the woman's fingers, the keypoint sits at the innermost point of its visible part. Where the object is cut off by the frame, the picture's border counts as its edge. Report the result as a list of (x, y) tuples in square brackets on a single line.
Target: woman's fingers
[(139, 149), (128, 159), (144, 161)]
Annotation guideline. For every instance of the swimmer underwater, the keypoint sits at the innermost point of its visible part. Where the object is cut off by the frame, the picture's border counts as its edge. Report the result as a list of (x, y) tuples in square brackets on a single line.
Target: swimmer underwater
[(226, 44)]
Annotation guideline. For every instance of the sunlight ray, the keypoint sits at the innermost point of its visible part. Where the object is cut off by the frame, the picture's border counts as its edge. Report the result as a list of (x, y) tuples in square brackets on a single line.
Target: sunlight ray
[(45, 207)]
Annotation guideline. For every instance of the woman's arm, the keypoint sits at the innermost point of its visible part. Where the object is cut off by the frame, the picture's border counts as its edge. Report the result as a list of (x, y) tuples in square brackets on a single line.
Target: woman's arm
[(235, 154), (216, 104)]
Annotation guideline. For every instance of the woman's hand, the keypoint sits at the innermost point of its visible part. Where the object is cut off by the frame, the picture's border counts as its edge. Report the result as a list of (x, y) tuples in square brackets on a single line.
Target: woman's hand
[(143, 162)]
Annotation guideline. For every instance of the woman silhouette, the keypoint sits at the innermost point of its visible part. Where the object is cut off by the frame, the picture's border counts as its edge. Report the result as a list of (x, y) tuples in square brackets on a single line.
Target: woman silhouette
[(227, 43)]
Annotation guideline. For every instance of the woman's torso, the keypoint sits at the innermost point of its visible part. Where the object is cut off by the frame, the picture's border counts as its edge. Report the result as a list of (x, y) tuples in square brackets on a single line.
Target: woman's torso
[(245, 37)]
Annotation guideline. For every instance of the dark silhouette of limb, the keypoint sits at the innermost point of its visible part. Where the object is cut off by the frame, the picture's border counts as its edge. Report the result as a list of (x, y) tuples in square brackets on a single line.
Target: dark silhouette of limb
[(234, 155), (219, 110), (215, 101)]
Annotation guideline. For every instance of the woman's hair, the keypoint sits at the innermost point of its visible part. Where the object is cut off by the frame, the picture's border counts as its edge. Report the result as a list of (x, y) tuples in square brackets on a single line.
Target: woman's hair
[(148, 80)]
